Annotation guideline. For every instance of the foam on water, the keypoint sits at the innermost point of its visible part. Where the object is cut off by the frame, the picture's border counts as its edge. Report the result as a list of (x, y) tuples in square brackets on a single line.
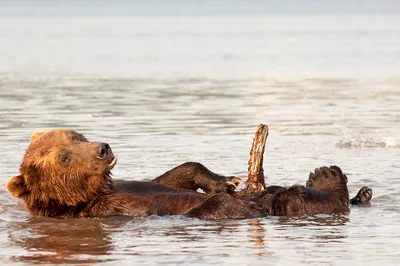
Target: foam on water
[(386, 142)]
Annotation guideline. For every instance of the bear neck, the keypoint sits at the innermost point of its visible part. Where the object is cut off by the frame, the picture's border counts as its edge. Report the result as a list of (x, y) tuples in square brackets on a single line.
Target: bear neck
[(55, 209)]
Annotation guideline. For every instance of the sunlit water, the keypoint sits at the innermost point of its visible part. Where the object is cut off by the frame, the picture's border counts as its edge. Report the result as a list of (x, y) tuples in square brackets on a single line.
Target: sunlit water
[(169, 83)]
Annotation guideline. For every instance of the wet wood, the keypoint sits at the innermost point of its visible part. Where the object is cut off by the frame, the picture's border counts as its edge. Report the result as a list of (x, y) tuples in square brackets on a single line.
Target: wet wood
[(255, 184)]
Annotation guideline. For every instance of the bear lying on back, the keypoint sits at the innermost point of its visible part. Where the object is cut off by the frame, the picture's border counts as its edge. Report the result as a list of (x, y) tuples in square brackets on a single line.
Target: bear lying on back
[(64, 175)]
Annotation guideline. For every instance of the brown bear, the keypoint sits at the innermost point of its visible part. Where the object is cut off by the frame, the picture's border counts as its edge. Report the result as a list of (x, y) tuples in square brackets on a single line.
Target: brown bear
[(64, 175)]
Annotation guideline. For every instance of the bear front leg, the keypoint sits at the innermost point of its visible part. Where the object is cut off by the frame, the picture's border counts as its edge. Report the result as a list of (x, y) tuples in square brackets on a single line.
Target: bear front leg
[(192, 175), (123, 205)]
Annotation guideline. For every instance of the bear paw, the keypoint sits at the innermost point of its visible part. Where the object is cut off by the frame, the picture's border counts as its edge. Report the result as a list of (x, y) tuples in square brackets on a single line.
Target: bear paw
[(364, 196), (326, 178), (224, 185)]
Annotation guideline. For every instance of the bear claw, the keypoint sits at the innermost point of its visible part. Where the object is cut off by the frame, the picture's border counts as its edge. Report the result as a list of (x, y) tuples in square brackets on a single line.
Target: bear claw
[(232, 183), (235, 181)]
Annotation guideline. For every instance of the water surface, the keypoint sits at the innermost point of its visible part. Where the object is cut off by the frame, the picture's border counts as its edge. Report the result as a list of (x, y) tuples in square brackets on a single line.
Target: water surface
[(164, 84)]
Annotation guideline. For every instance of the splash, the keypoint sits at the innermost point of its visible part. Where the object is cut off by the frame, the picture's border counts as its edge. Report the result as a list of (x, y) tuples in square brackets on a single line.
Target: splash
[(385, 142)]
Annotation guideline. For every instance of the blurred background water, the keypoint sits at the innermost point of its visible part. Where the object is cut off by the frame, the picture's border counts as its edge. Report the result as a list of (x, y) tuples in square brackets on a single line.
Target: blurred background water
[(164, 82)]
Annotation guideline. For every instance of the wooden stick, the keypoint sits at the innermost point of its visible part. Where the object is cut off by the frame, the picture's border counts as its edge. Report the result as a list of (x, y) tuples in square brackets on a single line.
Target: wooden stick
[(255, 184)]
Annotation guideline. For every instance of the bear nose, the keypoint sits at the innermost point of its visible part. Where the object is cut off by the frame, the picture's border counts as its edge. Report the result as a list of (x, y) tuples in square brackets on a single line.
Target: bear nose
[(103, 151)]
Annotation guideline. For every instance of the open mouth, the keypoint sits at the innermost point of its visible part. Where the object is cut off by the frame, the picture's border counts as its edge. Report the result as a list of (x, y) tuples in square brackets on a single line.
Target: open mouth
[(112, 164)]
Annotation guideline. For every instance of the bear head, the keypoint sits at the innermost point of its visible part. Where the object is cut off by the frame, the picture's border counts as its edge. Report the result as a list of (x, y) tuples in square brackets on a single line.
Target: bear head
[(61, 172)]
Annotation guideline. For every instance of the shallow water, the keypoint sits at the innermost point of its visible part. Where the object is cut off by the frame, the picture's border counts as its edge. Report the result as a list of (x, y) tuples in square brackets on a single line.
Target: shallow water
[(164, 84)]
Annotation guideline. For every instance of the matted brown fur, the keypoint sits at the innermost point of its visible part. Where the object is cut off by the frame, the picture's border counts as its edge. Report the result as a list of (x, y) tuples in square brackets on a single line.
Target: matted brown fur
[(50, 186), (64, 175), (326, 189)]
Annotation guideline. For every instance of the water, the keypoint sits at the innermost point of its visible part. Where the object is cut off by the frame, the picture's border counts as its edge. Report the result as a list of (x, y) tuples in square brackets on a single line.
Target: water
[(189, 81)]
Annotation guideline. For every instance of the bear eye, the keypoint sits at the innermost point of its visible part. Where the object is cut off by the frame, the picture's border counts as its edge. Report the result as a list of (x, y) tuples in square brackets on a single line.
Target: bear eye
[(64, 157)]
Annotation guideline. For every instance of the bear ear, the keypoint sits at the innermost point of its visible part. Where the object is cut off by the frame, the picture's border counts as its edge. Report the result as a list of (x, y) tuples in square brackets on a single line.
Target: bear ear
[(37, 134), (16, 186)]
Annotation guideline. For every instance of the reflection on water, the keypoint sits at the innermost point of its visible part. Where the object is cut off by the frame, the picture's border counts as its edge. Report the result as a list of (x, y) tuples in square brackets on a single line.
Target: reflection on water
[(60, 241), (315, 220), (256, 234), (324, 225)]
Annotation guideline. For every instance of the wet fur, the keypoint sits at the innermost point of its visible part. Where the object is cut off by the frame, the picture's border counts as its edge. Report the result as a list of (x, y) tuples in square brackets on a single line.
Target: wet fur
[(84, 187), (326, 192)]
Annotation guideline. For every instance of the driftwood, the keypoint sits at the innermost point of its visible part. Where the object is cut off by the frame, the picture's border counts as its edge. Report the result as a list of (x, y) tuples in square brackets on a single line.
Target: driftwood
[(255, 184)]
